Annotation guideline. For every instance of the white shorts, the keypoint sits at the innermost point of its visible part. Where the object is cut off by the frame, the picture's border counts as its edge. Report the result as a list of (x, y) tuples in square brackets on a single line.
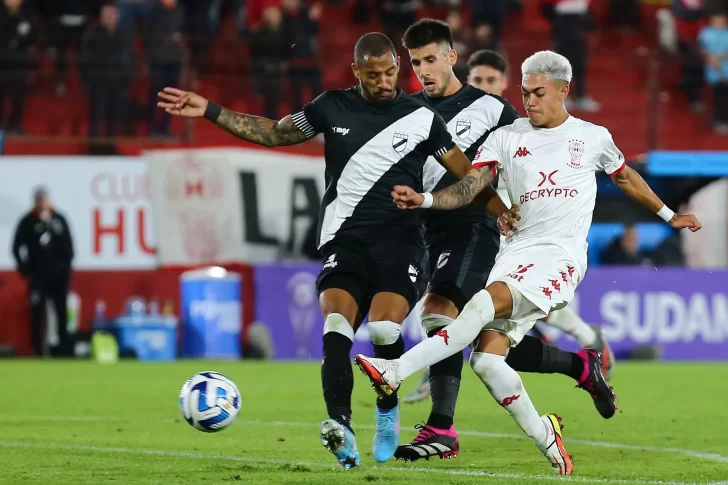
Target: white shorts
[(541, 279)]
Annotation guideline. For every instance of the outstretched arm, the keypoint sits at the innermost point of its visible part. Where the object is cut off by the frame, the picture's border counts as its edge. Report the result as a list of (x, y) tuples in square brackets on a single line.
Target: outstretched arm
[(261, 131), (455, 196), (632, 184)]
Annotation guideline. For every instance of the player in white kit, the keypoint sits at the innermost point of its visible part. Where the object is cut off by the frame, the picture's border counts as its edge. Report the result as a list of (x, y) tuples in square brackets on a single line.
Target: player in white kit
[(548, 164)]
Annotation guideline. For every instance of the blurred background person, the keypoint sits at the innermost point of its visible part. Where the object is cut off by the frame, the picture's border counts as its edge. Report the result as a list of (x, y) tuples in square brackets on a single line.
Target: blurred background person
[(713, 41), (107, 68), (301, 25), (269, 52), (624, 249), (43, 252), (165, 53), (17, 35)]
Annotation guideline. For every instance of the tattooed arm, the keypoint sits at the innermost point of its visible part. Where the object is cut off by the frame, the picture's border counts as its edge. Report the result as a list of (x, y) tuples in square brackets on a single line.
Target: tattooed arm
[(261, 131), (464, 191), (453, 197)]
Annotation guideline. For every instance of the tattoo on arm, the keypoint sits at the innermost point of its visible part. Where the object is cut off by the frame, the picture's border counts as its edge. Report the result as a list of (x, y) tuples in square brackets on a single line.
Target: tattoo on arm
[(464, 192), (261, 131)]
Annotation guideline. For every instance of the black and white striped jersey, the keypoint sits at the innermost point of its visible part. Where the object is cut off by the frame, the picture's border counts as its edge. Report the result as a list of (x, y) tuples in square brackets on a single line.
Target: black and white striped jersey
[(370, 148), (471, 115)]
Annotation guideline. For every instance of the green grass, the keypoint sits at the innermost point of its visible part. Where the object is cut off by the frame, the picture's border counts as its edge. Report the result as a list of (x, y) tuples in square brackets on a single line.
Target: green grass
[(79, 422)]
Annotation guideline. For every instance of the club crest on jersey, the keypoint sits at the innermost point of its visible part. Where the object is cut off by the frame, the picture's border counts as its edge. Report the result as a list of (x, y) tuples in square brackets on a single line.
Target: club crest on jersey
[(399, 141), (576, 151), (462, 128)]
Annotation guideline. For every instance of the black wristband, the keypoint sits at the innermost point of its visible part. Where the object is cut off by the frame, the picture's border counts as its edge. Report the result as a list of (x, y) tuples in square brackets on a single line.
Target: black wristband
[(212, 112)]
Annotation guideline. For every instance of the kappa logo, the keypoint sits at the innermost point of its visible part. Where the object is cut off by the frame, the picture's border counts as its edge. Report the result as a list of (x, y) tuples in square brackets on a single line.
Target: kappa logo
[(442, 260), (576, 150), (462, 128), (399, 141), (548, 177), (413, 273), (509, 400), (340, 131), (331, 262), (521, 152)]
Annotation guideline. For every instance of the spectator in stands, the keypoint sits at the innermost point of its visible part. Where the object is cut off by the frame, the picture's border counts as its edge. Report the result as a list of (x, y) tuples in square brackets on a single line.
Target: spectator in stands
[(70, 18), (202, 21), (483, 38), (17, 35), (690, 16), (461, 43), (570, 23), (491, 13), (624, 13), (165, 53), (43, 251), (107, 67), (396, 16), (624, 250), (269, 52), (301, 25), (133, 11), (714, 45)]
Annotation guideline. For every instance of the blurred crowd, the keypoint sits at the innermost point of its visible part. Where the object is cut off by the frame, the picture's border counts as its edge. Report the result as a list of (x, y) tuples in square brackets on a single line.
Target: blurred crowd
[(109, 40), (697, 31)]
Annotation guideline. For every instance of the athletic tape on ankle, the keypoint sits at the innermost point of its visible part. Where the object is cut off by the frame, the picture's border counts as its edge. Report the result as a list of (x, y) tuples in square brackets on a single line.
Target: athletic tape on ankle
[(336, 322), (384, 332), (434, 321)]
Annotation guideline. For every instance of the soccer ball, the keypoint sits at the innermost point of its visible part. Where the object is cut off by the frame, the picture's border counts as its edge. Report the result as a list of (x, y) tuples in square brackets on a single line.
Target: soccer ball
[(209, 401)]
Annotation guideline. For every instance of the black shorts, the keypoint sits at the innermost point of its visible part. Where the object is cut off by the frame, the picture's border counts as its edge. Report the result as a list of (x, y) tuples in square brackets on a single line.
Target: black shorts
[(367, 261), (459, 263)]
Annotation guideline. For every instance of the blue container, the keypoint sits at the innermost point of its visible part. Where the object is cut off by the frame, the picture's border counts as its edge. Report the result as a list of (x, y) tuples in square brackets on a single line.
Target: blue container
[(211, 314), (151, 338)]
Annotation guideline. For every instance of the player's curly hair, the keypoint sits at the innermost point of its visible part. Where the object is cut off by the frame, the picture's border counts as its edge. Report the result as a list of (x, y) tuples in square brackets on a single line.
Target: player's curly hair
[(427, 31)]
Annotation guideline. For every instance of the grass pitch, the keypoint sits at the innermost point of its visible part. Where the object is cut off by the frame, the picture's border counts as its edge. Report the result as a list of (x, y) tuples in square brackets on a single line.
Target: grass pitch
[(80, 422)]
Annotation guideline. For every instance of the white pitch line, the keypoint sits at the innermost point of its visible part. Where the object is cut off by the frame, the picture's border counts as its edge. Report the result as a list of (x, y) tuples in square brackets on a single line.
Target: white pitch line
[(482, 434), (434, 471)]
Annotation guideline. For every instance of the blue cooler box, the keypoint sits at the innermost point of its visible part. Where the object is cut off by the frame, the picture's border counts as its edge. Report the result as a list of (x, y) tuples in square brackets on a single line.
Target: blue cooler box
[(211, 314), (150, 337)]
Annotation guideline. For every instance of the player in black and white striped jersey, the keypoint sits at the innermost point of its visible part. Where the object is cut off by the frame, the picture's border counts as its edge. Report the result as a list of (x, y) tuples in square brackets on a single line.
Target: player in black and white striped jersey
[(462, 245), (376, 137)]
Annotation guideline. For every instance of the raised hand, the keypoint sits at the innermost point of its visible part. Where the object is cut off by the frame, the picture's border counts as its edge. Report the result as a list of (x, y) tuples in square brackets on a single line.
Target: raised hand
[(182, 103)]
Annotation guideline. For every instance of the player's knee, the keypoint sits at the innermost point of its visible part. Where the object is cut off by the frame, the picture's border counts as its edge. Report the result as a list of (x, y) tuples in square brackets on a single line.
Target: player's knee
[(439, 305), (485, 365), (336, 323), (433, 322), (384, 332)]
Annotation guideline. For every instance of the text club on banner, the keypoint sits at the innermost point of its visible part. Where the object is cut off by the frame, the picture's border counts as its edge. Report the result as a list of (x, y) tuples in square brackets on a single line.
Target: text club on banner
[(217, 205), (286, 302), (105, 200)]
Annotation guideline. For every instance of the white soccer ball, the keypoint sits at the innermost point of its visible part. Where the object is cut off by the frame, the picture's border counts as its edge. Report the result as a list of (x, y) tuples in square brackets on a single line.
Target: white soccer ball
[(209, 401)]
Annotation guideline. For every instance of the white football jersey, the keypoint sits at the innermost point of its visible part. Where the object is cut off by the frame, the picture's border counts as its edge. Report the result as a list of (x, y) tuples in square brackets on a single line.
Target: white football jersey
[(550, 173)]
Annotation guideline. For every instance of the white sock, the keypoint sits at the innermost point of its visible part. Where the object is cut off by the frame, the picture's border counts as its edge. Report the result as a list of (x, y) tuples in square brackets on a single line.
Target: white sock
[(506, 387), (567, 320), (459, 334)]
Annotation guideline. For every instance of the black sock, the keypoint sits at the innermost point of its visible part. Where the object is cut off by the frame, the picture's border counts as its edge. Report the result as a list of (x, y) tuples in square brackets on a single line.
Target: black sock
[(534, 355), (389, 352), (444, 388), (337, 378)]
